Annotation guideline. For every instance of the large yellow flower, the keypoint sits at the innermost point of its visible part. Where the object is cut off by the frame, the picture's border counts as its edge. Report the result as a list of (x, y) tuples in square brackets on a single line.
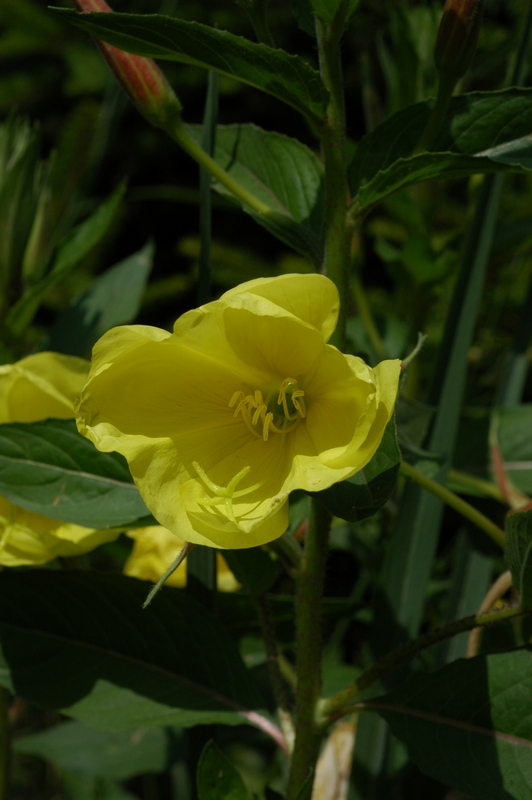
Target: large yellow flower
[(243, 403), (40, 386)]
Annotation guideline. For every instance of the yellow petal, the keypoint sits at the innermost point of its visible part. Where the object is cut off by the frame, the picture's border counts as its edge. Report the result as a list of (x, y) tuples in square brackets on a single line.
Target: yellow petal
[(312, 298), (40, 386), (27, 538)]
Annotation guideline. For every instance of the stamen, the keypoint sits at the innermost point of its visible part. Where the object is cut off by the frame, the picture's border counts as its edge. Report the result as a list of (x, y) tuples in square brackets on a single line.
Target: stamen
[(255, 409)]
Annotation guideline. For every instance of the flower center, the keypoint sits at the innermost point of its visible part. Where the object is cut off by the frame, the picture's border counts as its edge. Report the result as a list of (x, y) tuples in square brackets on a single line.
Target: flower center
[(280, 411), (224, 495)]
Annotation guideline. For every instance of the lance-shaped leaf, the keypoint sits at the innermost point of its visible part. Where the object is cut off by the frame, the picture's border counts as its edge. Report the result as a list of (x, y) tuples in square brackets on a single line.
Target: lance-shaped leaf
[(469, 724), (99, 657), (282, 173), (75, 247), (474, 123), (51, 469), (407, 171), (282, 75)]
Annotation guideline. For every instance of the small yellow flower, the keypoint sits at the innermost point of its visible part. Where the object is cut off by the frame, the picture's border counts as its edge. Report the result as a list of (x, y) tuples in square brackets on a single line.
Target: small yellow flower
[(37, 387), (156, 547), (243, 403)]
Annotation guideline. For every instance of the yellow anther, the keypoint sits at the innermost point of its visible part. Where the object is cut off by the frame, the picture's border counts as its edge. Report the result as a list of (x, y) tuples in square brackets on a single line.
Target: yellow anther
[(255, 409)]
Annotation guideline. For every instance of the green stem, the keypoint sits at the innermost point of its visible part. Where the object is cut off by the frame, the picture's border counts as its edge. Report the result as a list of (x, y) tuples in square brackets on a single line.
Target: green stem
[(452, 500), (443, 98), (5, 744), (338, 233), (309, 590), (195, 151), (485, 488), (342, 702), (258, 15)]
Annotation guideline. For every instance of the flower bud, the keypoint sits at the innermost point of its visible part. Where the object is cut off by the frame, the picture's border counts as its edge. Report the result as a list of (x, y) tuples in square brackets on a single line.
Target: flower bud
[(140, 77), (457, 37)]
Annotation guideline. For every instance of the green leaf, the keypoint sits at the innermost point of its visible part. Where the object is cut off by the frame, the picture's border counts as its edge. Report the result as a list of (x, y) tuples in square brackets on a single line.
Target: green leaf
[(81, 642), (281, 172), (282, 75), (253, 568), (113, 299), (74, 747), (327, 10), (474, 123), (217, 778), (514, 432), (469, 724), (367, 491), (71, 252), (424, 167), (49, 468), (519, 554)]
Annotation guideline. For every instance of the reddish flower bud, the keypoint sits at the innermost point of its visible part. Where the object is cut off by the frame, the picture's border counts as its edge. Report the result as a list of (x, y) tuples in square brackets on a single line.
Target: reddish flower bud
[(141, 78), (457, 37)]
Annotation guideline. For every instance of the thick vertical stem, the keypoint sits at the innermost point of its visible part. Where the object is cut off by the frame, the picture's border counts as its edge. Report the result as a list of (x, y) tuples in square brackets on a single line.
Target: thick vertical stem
[(309, 591), (338, 233)]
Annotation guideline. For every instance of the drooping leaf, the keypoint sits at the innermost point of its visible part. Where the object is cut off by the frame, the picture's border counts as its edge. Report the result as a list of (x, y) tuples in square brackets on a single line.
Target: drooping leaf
[(285, 76), (424, 167), (474, 123), (113, 299), (49, 468), (71, 251), (367, 491), (217, 778), (469, 724), (281, 172), (519, 553), (77, 748), (81, 642)]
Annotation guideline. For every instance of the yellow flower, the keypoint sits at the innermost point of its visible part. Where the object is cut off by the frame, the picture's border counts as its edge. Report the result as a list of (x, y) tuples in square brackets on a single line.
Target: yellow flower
[(156, 547), (243, 403), (40, 386)]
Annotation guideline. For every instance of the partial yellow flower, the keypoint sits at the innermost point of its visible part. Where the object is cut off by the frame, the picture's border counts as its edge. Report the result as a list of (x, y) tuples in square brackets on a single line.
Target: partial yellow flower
[(243, 403), (27, 538), (37, 387), (156, 547), (40, 386)]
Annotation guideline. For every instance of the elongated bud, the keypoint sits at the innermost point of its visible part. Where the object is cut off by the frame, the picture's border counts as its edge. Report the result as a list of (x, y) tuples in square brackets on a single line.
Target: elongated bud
[(140, 77), (457, 37)]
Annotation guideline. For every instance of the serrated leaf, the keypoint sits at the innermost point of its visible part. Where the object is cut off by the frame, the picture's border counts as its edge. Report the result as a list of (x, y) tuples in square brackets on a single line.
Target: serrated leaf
[(427, 166), (367, 491), (217, 778), (474, 123), (281, 172), (77, 748), (51, 469), (518, 554), (81, 642), (113, 299), (71, 252), (285, 76), (469, 724)]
